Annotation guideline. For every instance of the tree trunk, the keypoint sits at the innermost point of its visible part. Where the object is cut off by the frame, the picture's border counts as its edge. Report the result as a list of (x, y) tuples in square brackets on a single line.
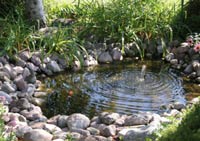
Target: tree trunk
[(35, 12)]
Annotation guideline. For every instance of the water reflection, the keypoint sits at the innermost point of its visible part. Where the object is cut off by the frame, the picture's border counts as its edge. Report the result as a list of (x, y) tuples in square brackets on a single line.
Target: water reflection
[(113, 88)]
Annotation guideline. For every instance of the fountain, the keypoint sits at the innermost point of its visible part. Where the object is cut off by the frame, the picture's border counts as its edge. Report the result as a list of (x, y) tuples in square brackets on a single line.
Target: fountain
[(143, 73), (124, 88)]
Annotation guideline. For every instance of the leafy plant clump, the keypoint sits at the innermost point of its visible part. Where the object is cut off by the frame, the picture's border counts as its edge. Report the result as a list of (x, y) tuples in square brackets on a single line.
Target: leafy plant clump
[(188, 129), (148, 19), (3, 135)]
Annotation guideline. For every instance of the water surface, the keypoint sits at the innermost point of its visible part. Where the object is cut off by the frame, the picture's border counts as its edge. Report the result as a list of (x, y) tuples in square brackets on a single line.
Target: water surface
[(118, 87)]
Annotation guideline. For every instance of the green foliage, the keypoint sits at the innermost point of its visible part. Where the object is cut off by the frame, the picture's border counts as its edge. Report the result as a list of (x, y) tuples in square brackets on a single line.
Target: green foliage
[(120, 21), (9, 6), (147, 19), (10, 137), (188, 129), (62, 41), (14, 32)]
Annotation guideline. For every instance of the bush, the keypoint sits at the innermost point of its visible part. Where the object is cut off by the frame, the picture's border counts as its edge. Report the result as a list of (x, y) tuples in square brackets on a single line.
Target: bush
[(186, 130)]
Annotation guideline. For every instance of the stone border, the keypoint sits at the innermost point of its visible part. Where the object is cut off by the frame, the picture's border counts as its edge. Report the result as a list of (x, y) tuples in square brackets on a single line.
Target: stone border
[(19, 94)]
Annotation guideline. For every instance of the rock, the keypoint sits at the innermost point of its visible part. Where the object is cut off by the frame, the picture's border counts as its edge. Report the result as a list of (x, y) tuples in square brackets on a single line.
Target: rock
[(90, 61), (195, 100), (109, 118), (23, 103), (193, 75), (8, 69), (53, 120), (38, 101), (51, 128), (8, 88), (31, 79), (135, 135), (94, 138), (40, 94), (120, 121), (191, 52), (169, 57), (81, 131), (3, 60), (14, 110), (188, 69), (184, 45), (76, 65), (7, 117), (195, 65), (33, 116), (32, 67), (173, 113), (174, 61), (25, 55), (78, 121), (105, 57), (15, 123), (116, 54), (53, 66), (94, 124), (180, 52), (61, 135), (62, 63), (21, 130), (31, 89), (22, 95), (138, 119), (195, 57), (197, 79), (179, 105), (18, 70), (59, 140), (75, 136), (46, 60), (26, 72), (63, 22), (20, 83), (36, 125), (174, 43), (4, 76), (20, 62), (93, 131), (108, 131), (153, 126), (35, 60), (62, 121), (44, 68), (36, 134), (48, 31), (5, 98)]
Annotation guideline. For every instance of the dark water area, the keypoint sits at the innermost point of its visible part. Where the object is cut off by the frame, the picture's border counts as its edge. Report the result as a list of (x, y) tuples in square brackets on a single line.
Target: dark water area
[(119, 87)]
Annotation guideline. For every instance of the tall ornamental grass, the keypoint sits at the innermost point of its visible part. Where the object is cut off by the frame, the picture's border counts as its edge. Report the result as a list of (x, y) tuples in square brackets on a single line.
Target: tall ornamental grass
[(147, 19)]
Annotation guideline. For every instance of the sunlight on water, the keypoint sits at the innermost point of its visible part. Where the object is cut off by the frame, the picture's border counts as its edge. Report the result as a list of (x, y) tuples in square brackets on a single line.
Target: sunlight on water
[(118, 88)]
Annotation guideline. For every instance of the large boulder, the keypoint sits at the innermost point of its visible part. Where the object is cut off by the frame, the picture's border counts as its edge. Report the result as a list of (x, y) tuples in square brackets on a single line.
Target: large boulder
[(37, 135), (78, 121), (138, 119), (53, 66), (105, 57), (109, 118)]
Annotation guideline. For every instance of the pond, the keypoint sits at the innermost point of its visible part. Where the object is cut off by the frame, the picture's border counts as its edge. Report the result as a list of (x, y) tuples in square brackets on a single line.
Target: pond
[(123, 87)]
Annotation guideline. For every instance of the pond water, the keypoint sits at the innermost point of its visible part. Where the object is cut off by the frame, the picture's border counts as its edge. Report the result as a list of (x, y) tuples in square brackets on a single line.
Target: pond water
[(121, 87)]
